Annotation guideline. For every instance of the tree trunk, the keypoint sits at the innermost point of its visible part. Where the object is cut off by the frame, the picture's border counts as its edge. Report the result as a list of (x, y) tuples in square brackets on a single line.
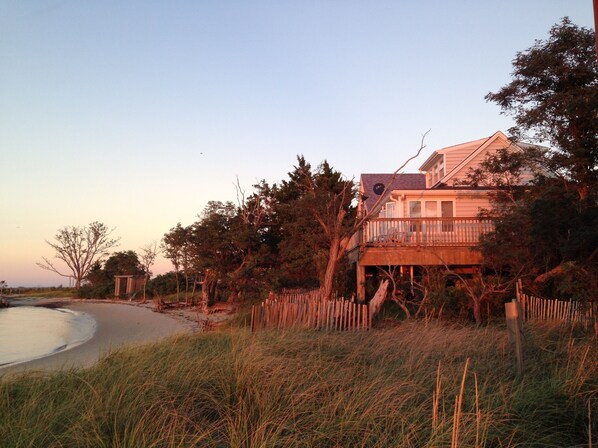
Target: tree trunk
[(176, 277), (206, 288), (186, 288), (477, 311), (330, 270), (144, 289), (379, 298)]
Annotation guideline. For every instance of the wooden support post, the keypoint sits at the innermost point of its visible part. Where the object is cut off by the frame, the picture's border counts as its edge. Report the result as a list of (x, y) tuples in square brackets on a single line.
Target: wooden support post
[(360, 283), (515, 329)]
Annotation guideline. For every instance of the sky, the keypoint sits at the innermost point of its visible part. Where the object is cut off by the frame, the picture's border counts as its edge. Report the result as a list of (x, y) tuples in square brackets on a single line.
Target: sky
[(137, 113)]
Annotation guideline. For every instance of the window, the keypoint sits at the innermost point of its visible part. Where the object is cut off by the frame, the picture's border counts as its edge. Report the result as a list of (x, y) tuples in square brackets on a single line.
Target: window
[(415, 209), (390, 210), (446, 208), (433, 209)]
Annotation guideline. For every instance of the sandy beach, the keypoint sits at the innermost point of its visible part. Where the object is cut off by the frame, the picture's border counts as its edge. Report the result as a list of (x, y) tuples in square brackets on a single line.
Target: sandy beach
[(118, 325)]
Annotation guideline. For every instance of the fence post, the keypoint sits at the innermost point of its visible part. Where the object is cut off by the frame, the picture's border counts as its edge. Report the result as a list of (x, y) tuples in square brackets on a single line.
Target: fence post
[(515, 329)]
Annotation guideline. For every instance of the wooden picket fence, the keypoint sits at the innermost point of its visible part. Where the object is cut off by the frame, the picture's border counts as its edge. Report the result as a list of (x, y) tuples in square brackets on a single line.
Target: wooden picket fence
[(559, 311), (309, 310)]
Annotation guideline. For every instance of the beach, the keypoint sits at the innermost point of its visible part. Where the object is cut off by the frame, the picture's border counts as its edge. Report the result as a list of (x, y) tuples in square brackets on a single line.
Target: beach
[(117, 325)]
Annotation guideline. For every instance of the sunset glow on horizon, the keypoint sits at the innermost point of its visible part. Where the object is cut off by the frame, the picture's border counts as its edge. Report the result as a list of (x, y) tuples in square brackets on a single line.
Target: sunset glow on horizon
[(136, 114)]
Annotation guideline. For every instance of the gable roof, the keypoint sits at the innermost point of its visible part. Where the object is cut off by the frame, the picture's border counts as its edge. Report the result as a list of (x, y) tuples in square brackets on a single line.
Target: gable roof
[(487, 142), (402, 181), (474, 145)]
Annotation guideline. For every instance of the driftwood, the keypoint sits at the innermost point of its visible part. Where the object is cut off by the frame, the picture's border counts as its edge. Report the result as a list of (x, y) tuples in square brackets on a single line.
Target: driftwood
[(160, 304), (379, 298), (221, 307), (554, 272)]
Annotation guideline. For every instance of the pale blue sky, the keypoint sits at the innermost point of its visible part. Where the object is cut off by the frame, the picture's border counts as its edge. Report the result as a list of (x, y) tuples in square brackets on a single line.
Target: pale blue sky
[(136, 113)]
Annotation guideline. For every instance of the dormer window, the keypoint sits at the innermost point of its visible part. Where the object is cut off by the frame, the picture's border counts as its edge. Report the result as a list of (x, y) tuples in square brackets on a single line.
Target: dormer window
[(441, 169)]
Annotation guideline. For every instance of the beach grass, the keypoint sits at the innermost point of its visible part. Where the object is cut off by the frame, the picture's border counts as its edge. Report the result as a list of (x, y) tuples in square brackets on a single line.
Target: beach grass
[(411, 385)]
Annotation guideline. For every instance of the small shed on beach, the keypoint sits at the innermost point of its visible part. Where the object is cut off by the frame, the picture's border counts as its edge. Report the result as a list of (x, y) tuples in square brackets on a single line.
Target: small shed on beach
[(126, 285)]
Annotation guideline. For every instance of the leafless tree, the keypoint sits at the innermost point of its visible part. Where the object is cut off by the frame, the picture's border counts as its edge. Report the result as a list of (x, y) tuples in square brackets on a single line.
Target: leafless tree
[(331, 220), (483, 289), (148, 255), (79, 248)]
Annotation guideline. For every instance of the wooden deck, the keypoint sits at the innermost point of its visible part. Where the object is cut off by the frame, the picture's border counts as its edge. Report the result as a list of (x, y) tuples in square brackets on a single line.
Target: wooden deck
[(417, 242), (425, 232)]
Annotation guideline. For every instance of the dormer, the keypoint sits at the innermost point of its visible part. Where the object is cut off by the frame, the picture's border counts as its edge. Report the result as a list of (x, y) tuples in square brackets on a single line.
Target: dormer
[(433, 169)]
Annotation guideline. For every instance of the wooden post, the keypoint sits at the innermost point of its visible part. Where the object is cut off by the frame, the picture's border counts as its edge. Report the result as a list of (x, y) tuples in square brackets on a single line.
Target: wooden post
[(515, 330), (360, 282)]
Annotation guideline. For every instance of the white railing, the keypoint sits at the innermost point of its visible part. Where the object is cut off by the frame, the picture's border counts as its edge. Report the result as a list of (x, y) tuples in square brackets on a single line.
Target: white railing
[(425, 231)]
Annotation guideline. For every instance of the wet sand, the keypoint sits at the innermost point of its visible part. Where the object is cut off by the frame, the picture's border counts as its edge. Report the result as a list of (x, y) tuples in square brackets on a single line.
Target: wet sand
[(118, 325)]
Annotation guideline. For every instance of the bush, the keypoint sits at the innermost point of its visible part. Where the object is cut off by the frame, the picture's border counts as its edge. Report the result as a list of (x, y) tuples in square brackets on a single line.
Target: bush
[(163, 285), (96, 292)]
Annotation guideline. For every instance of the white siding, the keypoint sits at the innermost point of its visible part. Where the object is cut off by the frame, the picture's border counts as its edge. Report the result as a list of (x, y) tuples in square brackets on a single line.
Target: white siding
[(461, 174), (454, 157), (470, 206)]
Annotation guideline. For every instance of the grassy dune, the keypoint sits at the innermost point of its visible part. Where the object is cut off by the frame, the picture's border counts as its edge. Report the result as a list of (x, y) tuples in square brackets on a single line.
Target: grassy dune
[(402, 386)]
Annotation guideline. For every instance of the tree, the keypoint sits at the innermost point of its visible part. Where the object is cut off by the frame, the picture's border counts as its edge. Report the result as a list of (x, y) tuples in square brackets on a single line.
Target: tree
[(329, 198), (123, 263), (79, 248), (548, 229), (149, 252), (553, 98), (173, 246), (213, 245), (303, 245), (96, 275)]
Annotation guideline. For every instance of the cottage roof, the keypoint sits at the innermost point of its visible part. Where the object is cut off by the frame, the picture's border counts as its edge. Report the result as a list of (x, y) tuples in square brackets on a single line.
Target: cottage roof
[(471, 146), (372, 185)]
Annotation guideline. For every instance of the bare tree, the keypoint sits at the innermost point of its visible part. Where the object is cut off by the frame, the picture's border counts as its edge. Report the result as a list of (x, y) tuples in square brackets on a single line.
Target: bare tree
[(79, 248), (149, 252), (397, 295), (332, 216)]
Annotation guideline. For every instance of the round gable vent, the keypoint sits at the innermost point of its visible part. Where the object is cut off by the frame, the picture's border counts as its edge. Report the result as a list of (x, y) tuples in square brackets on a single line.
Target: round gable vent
[(378, 188)]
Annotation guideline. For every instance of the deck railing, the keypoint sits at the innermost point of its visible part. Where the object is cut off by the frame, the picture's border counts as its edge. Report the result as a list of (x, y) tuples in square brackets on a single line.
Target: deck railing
[(425, 231)]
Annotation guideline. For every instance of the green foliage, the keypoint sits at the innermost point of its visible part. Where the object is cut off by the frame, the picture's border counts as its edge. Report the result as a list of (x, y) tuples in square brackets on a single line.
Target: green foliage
[(315, 215), (100, 280), (163, 284), (554, 97), (280, 236), (546, 230), (123, 263), (100, 291), (97, 276), (305, 388)]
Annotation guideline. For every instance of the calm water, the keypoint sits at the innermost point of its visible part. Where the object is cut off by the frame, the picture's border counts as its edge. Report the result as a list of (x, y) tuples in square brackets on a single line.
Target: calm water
[(28, 332)]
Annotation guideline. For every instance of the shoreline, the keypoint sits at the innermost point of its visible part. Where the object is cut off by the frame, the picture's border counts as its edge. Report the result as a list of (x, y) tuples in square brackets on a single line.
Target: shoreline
[(117, 326)]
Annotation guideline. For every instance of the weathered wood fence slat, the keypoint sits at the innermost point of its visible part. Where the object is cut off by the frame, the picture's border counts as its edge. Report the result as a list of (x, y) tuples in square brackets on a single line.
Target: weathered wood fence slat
[(559, 311), (310, 310)]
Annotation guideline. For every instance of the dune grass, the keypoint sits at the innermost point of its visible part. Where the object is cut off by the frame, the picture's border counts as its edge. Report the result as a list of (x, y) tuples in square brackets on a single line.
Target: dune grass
[(402, 386)]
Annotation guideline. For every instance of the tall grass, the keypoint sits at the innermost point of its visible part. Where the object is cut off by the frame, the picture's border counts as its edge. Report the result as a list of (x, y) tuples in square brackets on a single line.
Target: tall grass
[(414, 385)]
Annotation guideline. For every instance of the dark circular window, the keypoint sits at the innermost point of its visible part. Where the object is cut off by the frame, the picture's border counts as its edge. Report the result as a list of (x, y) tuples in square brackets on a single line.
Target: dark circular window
[(378, 189)]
